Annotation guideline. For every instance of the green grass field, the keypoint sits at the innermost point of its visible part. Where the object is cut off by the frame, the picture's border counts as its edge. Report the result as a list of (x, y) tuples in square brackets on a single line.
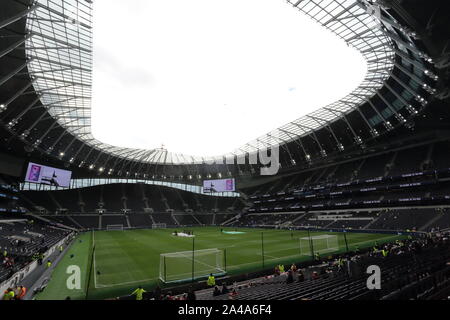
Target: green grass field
[(122, 260)]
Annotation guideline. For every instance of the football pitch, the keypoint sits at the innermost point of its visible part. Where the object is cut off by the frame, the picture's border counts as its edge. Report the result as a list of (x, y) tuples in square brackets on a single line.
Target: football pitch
[(113, 263)]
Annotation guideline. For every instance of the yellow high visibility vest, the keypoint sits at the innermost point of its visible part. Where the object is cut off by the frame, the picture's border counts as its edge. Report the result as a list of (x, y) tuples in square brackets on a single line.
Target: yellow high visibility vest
[(211, 281)]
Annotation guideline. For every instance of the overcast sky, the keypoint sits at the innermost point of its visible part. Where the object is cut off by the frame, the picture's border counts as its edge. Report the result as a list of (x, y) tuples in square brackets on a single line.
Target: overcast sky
[(203, 77)]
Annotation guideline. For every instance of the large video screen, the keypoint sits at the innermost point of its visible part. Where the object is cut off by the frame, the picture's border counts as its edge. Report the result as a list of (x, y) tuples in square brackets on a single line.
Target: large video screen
[(221, 185), (38, 173)]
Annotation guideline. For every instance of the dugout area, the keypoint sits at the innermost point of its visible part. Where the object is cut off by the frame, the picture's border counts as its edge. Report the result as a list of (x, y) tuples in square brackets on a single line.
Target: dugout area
[(113, 263)]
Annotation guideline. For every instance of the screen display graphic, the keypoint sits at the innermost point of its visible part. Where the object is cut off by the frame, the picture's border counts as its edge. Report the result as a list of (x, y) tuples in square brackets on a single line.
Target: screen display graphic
[(221, 185), (37, 173)]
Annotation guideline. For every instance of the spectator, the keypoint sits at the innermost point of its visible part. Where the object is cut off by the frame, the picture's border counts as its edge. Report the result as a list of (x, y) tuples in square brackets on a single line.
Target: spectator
[(232, 294), (224, 288), (157, 293), (168, 296), (294, 268), (21, 292), (9, 294), (191, 295), (216, 291), (301, 276), (290, 277), (315, 275), (277, 270)]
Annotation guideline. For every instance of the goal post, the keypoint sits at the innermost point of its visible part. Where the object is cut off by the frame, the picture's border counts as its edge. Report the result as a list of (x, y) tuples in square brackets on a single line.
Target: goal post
[(159, 226), (191, 265), (320, 244), (111, 227)]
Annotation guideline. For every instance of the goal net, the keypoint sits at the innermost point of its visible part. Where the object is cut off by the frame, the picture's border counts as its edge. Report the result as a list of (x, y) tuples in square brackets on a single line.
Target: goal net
[(159, 226), (320, 244), (188, 265), (111, 227)]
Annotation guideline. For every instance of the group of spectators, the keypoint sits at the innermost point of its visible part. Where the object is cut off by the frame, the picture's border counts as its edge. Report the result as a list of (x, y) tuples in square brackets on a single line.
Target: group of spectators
[(141, 294), (224, 290), (17, 293), (329, 267), (8, 263)]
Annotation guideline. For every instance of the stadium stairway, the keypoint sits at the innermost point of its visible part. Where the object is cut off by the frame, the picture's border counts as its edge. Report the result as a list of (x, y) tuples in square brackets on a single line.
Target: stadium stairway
[(430, 223), (373, 221), (128, 221), (174, 219), (231, 220), (75, 222)]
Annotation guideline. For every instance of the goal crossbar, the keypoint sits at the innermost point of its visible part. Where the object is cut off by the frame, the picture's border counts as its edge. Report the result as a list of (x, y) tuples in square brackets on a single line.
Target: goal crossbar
[(318, 244), (190, 265)]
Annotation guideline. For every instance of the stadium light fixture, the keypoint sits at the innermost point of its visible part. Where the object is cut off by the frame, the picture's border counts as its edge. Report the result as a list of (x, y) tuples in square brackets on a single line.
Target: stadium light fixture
[(431, 75), (411, 109), (373, 132), (12, 123), (428, 89), (400, 118), (2, 108), (421, 100), (340, 147), (91, 166), (388, 125)]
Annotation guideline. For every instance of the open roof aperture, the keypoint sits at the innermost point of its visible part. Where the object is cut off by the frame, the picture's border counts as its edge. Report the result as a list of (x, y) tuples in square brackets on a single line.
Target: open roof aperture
[(204, 77)]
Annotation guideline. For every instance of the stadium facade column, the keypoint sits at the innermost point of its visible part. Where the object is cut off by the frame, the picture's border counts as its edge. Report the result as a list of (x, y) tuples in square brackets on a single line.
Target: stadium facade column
[(345, 239), (193, 257), (90, 265), (225, 259), (311, 246), (262, 248), (165, 269)]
